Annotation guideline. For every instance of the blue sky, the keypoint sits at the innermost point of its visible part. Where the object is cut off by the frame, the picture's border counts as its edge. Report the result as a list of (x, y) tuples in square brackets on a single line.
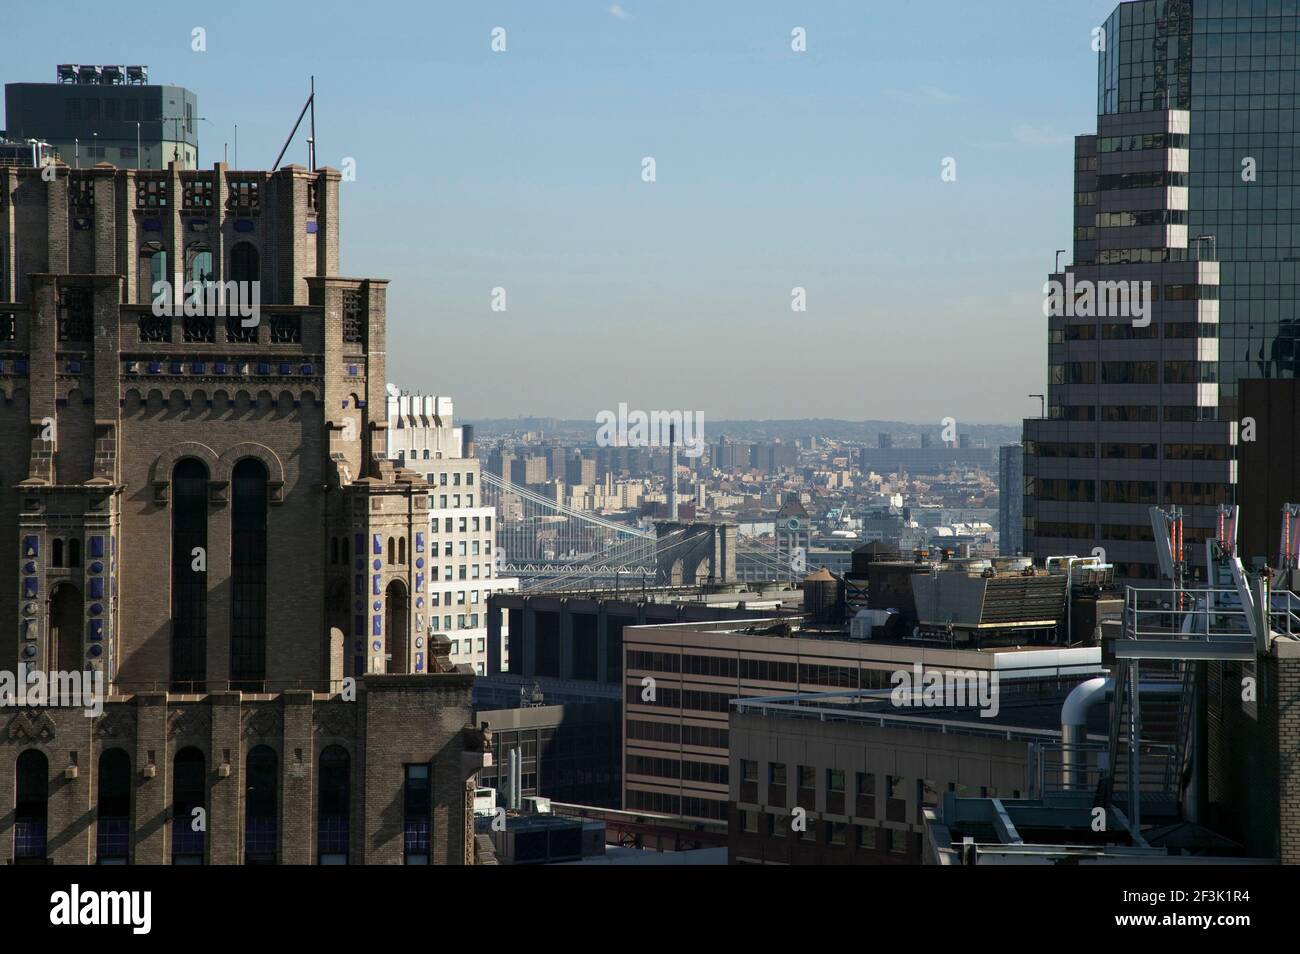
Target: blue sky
[(775, 169)]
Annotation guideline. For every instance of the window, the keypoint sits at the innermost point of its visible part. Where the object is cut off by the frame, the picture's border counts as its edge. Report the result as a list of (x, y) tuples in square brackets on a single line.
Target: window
[(189, 792), (189, 493), (261, 807), (31, 807), (334, 808), (835, 791), (866, 796), (416, 804), (113, 812), (353, 318), (245, 263), (248, 572)]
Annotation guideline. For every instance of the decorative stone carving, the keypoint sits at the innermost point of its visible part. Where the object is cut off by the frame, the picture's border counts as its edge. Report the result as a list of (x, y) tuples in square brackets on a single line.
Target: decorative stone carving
[(262, 721), (115, 725), (338, 720), (189, 721), (31, 725)]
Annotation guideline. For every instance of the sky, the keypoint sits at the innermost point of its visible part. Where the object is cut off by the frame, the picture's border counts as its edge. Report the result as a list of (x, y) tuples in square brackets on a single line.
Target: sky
[(774, 169)]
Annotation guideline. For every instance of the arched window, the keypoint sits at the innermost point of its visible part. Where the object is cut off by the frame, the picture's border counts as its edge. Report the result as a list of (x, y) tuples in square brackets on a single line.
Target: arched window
[(198, 263), (153, 269), (392, 551), (56, 556), (401, 550), (334, 551), (334, 809), (113, 814), (30, 808), (189, 792), (74, 552), (65, 646), (396, 626), (344, 549), (244, 263), (261, 807), (189, 585), (248, 574)]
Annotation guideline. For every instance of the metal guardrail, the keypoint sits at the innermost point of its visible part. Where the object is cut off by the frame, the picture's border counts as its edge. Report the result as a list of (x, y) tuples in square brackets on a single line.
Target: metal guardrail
[(886, 721)]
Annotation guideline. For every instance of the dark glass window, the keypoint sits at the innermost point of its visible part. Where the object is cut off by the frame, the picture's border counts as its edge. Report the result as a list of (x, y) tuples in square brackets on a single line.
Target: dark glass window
[(333, 839), (248, 572), (416, 807), (189, 792), (244, 263), (261, 807), (31, 807), (189, 586), (113, 816)]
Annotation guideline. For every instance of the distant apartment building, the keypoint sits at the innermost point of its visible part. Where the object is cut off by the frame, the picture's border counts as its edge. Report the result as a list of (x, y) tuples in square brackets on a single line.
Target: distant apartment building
[(1011, 499), (528, 471), (94, 114), (461, 572), (580, 471)]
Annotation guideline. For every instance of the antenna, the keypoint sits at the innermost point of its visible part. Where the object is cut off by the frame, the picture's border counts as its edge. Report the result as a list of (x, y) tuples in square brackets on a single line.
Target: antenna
[(309, 105)]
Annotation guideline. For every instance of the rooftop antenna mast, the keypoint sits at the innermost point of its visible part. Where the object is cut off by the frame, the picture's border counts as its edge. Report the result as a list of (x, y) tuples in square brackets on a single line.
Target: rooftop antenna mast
[(310, 105)]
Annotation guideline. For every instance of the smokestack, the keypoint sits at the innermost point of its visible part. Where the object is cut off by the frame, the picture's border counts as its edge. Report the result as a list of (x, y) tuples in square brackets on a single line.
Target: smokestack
[(672, 471)]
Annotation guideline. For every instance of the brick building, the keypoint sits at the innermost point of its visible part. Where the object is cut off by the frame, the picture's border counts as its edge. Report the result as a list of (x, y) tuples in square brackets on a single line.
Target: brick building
[(201, 509)]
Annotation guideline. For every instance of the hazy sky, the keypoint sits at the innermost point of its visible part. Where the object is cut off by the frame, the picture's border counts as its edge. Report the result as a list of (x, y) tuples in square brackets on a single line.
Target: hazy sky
[(523, 170)]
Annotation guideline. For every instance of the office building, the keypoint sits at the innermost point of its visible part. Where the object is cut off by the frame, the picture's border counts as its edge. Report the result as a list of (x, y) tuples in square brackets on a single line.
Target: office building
[(680, 681), (1188, 185), (113, 114), (865, 772)]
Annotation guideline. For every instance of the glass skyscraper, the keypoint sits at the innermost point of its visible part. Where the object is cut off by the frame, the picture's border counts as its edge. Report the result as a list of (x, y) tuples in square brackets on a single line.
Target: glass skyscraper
[(1190, 184), (1232, 64)]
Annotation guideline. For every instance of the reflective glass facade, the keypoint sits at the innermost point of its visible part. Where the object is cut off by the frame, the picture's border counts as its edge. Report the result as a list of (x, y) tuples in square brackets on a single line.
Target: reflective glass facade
[(1233, 64)]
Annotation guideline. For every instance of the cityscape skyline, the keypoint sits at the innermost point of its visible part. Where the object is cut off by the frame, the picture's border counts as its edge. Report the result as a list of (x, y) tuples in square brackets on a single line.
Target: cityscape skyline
[(462, 154), (622, 434)]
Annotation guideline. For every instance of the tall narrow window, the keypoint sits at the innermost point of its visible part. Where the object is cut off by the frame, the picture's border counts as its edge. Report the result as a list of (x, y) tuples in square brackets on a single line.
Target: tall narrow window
[(248, 575), (416, 805), (396, 626), (244, 265), (66, 615), (56, 556), (113, 814), (333, 839), (189, 585), (189, 793), (74, 552), (30, 809), (261, 807)]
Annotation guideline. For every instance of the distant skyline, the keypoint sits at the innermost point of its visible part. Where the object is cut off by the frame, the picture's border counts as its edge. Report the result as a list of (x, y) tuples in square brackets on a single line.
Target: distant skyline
[(522, 170)]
